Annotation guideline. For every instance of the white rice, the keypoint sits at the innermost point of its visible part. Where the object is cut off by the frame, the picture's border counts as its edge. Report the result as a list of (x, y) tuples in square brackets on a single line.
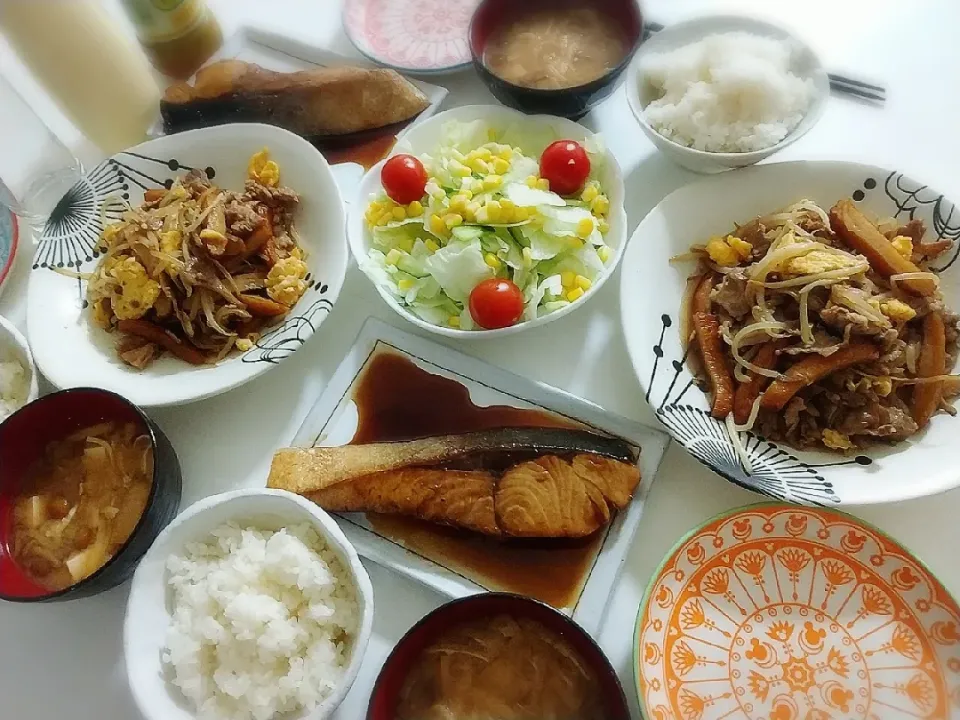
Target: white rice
[(263, 622), (732, 92), (14, 386)]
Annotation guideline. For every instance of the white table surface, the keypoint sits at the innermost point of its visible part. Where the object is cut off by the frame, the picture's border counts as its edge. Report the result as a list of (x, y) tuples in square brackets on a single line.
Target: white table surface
[(65, 661)]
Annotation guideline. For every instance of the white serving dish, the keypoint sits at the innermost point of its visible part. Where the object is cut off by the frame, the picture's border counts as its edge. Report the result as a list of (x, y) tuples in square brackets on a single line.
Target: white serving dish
[(651, 293), (422, 139), (13, 345), (72, 352), (148, 614), (640, 93), (334, 418)]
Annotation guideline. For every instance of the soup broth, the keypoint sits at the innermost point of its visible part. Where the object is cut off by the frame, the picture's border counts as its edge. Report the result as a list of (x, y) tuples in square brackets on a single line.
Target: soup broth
[(80, 503)]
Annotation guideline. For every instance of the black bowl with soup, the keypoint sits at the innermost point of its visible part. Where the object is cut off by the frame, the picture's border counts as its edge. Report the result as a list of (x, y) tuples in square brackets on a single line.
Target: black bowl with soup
[(87, 482), (555, 57)]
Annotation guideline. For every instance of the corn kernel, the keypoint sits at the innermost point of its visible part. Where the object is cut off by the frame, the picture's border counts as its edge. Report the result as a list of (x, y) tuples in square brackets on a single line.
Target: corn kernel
[(521, 214), (469, 215), (543, 184), (582, 282), (453, 220), (415, 209), (589, 193), (600, 205), (476, 186), (531, 181), (482, 216), (604, 252), (393, 257), (506, 153), (484, 153), (399, 213), (454, 321), (568, 278), (406, 244), (479, 166), (431, 245), (507, 204), (492, 260), (493, 211), (385, 217), (436, 224), (405, 285), (575, 294), (500, 166), (458, 156), (492, 182), (467, 193), (458, 169), (603, 226), (458, 203), (527, 257), (585, 228)]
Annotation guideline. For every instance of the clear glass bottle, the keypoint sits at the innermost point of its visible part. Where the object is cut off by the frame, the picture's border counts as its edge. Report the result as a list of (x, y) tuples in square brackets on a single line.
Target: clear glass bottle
[(179, 36)]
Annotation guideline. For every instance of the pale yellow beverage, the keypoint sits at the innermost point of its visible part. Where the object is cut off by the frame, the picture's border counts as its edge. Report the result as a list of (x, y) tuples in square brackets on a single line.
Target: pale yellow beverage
[(94, 71)]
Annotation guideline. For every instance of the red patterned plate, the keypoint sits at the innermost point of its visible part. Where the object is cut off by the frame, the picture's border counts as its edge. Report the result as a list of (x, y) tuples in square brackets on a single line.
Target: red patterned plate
[(8, 242), (416, 36), (780, 612)]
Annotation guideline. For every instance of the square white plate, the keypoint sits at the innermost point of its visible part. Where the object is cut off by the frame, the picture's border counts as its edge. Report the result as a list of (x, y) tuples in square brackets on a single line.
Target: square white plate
[(333, 421), (281, 53)]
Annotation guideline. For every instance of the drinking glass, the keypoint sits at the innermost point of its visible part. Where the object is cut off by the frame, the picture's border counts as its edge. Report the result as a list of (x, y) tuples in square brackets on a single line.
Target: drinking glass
[(36, 169)]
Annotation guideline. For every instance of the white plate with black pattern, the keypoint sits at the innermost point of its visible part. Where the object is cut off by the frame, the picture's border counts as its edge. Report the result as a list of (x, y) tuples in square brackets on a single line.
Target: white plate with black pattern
[(651, 293), (72, 352)]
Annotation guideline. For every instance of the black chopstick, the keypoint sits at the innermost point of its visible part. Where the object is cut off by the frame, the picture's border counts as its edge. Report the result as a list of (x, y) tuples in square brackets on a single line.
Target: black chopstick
[(838, 83)]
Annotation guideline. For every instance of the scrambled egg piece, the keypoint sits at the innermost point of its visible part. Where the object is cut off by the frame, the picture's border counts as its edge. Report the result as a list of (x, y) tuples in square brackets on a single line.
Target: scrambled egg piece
[(263, 169), (286, 282), (109, 235), (171, 242), (882, 385), (897, 310), (102, 315), (137, 293), (836, 440), (244, 344), (728, 251), (903, 245), (819, 261)]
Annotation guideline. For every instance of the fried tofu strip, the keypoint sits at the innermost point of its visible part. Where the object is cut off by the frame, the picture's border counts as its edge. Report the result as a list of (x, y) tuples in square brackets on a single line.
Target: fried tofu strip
[(932, 362), (814, 368), (856, 230), (706, 326), (748, 392)]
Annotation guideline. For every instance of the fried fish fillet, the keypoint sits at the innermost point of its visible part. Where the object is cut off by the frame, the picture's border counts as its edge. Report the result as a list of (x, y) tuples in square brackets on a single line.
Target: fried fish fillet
[(316, 103), (547, 483)]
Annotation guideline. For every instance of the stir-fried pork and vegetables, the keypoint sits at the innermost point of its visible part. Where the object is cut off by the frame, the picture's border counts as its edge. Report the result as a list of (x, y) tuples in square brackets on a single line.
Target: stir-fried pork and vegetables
[(823, 329), (198, 271)]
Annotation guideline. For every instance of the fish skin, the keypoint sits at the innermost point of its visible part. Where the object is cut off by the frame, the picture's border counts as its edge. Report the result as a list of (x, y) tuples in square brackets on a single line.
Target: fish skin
[(317, 103), (571, 488)]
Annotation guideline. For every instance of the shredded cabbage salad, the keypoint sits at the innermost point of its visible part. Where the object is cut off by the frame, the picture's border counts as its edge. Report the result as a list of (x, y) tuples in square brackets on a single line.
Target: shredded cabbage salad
[(486, 213)]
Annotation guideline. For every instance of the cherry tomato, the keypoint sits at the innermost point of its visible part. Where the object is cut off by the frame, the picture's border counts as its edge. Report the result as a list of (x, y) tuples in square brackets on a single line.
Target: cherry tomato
[(566, 166), (496, 303), (404, 178)]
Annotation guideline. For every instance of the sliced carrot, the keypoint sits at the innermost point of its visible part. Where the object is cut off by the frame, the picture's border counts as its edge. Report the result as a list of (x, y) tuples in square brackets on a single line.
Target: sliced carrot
[(154, 195), (701, 301), (814, 368), (932, 362), (707, 329), (748, 392), (263, 307), (167, 340), (856, 230)]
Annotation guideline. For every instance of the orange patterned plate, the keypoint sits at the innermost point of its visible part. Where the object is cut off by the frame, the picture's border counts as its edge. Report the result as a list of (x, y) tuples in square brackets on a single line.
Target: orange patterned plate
[(780, 612)]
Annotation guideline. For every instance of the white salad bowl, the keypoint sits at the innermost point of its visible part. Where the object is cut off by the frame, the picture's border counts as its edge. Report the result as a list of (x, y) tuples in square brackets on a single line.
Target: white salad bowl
[(13, 346), (423, 139), (73, 352), (652, 291), (148, 607), (640, 93)]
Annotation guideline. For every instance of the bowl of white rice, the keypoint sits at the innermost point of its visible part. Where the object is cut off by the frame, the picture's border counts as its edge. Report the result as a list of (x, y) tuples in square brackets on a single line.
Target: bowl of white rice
[(723, 92), (18, 375), (250, 605)]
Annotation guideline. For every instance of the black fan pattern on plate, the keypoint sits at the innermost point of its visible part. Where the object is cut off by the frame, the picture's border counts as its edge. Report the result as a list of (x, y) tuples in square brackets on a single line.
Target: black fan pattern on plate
[(288, 337), (913, 199)]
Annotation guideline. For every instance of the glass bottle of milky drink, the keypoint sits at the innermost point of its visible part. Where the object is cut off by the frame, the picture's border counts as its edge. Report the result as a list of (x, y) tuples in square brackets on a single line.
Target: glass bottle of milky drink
[(90, 66), (178, 35)]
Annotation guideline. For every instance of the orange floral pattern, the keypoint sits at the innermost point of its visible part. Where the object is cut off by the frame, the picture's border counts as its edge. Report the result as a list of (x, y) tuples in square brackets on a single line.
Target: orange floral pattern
[(783, 613)]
